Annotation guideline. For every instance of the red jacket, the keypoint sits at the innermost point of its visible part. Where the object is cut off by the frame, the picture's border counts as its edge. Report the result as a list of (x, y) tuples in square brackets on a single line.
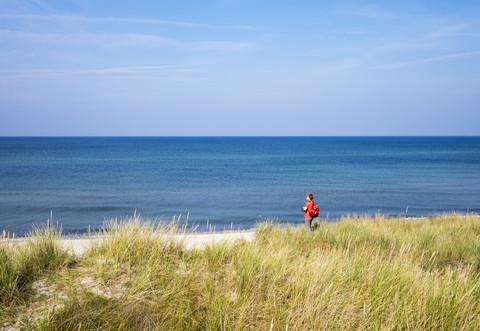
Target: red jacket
[(309, 205)]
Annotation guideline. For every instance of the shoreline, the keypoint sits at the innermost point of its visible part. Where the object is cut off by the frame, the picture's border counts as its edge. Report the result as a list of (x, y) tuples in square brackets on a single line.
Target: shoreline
[(86, 234), (78, 246), (209, 228)]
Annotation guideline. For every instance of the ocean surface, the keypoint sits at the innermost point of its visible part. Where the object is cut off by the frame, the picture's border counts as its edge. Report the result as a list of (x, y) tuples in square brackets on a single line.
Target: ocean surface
[(84, 181)]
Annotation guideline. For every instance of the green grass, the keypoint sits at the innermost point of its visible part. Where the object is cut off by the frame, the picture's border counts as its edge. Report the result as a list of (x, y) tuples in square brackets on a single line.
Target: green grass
[(360, 273), (21, 265)]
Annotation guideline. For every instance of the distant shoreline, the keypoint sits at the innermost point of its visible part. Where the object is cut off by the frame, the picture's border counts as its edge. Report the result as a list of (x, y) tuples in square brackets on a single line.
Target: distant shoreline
[(78, 245), (95, 233)]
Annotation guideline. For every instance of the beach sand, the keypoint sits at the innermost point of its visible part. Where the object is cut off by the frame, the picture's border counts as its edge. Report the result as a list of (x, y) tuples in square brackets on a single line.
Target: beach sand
[(79, 246)]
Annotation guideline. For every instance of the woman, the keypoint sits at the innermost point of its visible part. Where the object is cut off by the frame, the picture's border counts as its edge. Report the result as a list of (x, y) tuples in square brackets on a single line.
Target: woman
[(309, 206)]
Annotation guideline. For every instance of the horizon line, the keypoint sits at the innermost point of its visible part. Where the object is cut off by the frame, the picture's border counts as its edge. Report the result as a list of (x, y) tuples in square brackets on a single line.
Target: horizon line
[(239, 136)]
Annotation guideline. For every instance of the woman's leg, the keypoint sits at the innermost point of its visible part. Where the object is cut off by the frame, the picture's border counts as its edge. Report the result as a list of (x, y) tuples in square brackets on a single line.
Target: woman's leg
[(308, 224)]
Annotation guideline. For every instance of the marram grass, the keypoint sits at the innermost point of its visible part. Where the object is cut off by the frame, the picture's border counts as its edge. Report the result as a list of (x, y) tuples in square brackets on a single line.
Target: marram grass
[(358, 274), (21, 265)]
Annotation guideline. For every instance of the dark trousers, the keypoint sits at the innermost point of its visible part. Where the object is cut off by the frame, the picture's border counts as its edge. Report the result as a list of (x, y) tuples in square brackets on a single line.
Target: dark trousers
[(308, 223)]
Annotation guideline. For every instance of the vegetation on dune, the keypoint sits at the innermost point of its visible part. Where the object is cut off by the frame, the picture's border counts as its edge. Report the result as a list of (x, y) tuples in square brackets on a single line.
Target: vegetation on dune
[(21, 265), (359, 273)]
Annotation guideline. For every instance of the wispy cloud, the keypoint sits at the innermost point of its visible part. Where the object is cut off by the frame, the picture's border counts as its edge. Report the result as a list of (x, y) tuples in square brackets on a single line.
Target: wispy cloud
[(71, 18), (11, 35), (25, 6), (117, 40), (179, 72), (117, 70), (397, 46), (461, 29), (426, 60), (81, 39), (450, 30)]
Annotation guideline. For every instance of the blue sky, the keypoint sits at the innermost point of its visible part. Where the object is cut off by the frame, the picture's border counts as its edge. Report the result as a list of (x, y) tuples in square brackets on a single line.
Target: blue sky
[(234, 67)]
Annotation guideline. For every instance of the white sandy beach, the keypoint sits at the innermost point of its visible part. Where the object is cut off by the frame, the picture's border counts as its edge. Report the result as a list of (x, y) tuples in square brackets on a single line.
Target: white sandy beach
[(78, 246)]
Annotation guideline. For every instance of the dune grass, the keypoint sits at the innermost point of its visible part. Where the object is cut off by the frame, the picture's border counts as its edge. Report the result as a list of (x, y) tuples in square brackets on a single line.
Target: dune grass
[(359, 273), (21, 265)]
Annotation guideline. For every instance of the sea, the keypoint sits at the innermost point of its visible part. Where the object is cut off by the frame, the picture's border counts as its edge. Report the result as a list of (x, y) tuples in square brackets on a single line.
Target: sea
[(226, 183)]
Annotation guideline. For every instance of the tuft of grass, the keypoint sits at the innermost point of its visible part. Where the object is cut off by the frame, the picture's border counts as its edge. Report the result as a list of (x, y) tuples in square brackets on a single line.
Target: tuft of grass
[(8, 277), (133, 244), (40, 252), (22, 263)]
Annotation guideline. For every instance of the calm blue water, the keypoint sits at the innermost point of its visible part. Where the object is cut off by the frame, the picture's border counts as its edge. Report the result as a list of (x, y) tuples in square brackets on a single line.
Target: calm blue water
[(84, 181)]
